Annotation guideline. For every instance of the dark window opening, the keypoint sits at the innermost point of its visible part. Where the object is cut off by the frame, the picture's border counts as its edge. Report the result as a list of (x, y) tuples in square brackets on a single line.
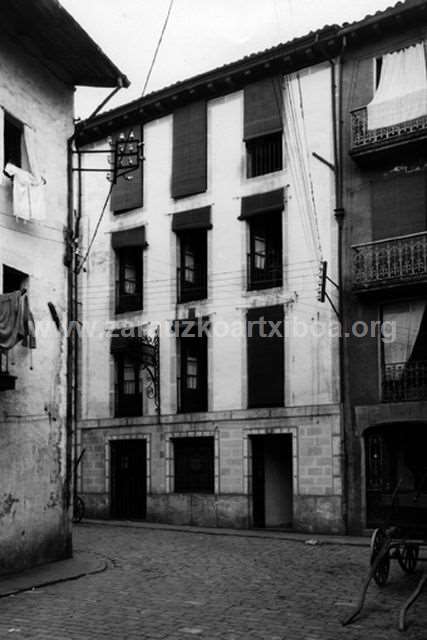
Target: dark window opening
[(265, 256), (194, 465), (12, 141), (128, 387), (129, 280), (193, 380), (192, 272), (264, 155), (378, 68), (265, 350), (13, 280)]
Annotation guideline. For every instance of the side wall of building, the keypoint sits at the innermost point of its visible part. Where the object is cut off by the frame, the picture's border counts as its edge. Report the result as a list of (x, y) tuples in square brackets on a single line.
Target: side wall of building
[(34, 521)]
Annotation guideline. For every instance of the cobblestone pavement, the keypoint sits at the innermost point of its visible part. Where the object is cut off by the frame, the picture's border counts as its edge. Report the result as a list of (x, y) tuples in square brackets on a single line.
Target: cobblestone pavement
[(177, 586)]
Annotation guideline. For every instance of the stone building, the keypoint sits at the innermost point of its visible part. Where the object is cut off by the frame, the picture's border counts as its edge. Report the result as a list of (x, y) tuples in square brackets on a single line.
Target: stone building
[(44, 54), (384, 163), (220, 227)]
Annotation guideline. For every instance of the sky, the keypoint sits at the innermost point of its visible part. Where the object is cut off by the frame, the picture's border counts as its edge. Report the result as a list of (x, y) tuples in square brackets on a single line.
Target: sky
[(200, 34)]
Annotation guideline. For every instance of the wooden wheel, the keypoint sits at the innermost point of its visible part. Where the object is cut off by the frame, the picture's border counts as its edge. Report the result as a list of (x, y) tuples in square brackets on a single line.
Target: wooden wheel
[(378, 542), (408, 557)]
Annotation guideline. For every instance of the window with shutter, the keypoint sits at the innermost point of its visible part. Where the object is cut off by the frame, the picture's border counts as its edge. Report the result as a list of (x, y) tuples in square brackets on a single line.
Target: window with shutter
[(128, 386), (263, 126), (129, 247), (192, 272), (194, 465), (189, 161), (127, 193), (265, 356), (193, 379), (399, 205), (265, 256)]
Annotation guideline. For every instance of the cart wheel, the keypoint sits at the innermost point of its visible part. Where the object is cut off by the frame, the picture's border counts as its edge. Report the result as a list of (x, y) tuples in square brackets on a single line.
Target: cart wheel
[(408, 557), (377, 543)]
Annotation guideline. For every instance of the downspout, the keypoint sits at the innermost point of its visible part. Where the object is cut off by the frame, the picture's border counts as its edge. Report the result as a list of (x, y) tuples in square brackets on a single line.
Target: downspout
[(76, 239), (337, 116), (69, 263)]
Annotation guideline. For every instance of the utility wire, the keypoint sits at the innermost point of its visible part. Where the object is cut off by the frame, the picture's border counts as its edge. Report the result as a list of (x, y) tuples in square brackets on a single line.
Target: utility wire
[(92, 240), (157, 48)]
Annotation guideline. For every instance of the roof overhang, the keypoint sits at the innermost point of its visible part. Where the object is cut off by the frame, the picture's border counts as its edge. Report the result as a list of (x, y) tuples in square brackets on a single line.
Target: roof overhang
[(47, 31)]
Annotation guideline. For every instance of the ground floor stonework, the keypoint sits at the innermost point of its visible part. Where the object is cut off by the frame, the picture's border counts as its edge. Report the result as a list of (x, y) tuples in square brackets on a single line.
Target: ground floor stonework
[(261, 468)]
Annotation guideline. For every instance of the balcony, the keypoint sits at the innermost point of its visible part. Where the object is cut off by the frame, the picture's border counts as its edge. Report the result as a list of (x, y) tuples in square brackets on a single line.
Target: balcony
[(127, 405), (127, 301), (270, 275), (188, 291), (390, 262), (391, 141), (404, 381)]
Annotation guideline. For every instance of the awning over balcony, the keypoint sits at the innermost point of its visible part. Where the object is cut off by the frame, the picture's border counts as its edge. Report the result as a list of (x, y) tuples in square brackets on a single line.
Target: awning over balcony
[(402, 91)]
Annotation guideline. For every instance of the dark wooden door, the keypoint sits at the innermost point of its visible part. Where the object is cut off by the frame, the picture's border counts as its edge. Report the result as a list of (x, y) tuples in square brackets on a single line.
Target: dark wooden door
[(128, 479)]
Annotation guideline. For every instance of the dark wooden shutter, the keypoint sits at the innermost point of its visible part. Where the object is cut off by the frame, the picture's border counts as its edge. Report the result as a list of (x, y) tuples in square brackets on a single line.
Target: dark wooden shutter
[(128, 191), (262, 203), (399, 205), (189, 162), (265, 357), (263, 108)]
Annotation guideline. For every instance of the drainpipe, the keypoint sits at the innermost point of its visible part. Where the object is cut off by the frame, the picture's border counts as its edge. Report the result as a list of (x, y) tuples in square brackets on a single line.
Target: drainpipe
[(337, 116), (69, 263)]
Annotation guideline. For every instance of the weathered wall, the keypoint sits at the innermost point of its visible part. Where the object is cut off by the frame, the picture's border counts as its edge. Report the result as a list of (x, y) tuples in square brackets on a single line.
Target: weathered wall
[(34, 525), (311, 370)]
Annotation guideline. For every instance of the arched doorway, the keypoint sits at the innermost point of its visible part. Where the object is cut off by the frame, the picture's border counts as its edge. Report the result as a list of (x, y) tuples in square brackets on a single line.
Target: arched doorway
[(396, 460)]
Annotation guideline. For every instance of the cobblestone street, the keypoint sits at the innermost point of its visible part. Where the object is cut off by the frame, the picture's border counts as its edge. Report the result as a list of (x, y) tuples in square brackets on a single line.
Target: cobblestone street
[(176, 585)]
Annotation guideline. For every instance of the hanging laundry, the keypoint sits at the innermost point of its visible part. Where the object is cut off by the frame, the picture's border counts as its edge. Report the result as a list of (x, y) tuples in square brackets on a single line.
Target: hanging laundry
[(16, 321)]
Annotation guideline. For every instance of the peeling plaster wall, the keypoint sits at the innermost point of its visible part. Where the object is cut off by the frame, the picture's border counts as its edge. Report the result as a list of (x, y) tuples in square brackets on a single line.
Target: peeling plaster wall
[(34, 525)]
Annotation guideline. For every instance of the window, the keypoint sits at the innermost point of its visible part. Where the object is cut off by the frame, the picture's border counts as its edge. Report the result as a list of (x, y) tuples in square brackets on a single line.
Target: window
[(404, 351), (265, 344), (265, 256), (189, 161), (13, 280), (193, 374), (129, 280), (127, 193), (378, 68), (264, 155), (129, 247), (263, 126), (128, 386), (13, 131), (192, 272), (194, 465)]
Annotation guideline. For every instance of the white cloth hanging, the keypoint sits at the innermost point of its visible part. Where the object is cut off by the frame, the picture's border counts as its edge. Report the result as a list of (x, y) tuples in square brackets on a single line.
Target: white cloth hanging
[(28, 186), (402, 91), (405, 318)]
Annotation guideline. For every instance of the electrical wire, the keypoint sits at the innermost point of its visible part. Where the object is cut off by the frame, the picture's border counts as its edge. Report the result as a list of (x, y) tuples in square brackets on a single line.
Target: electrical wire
[(92, 240), (157, 48)]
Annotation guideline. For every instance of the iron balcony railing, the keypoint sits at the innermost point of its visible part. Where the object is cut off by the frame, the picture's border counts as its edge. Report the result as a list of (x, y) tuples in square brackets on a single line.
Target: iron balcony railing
[(127, 301), (391, 261), (264, 155), (404, 381), (264, 278), (196, 290), (362, 137), (127, 405)]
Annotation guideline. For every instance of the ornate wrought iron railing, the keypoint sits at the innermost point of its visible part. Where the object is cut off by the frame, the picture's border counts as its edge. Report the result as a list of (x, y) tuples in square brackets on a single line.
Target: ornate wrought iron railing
[(403, 381), (362, 137), (390, 261)]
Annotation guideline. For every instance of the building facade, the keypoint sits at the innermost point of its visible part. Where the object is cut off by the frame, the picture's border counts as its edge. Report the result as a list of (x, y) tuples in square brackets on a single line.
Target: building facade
[(40, 49), (201, 274), (384, 167)]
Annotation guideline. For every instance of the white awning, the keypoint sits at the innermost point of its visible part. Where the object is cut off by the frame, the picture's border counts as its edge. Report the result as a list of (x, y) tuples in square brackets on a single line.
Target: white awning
[(402, 91)]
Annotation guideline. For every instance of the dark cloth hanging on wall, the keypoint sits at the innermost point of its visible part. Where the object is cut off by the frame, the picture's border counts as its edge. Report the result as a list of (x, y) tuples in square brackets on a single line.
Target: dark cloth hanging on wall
[(16, 321)]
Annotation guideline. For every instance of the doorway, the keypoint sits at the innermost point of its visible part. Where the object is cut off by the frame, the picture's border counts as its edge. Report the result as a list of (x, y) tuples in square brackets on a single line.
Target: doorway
[(272, 488), (128, 479)]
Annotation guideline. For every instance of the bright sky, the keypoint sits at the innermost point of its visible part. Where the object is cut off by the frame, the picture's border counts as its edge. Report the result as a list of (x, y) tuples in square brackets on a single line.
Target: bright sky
[(200, 35)]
